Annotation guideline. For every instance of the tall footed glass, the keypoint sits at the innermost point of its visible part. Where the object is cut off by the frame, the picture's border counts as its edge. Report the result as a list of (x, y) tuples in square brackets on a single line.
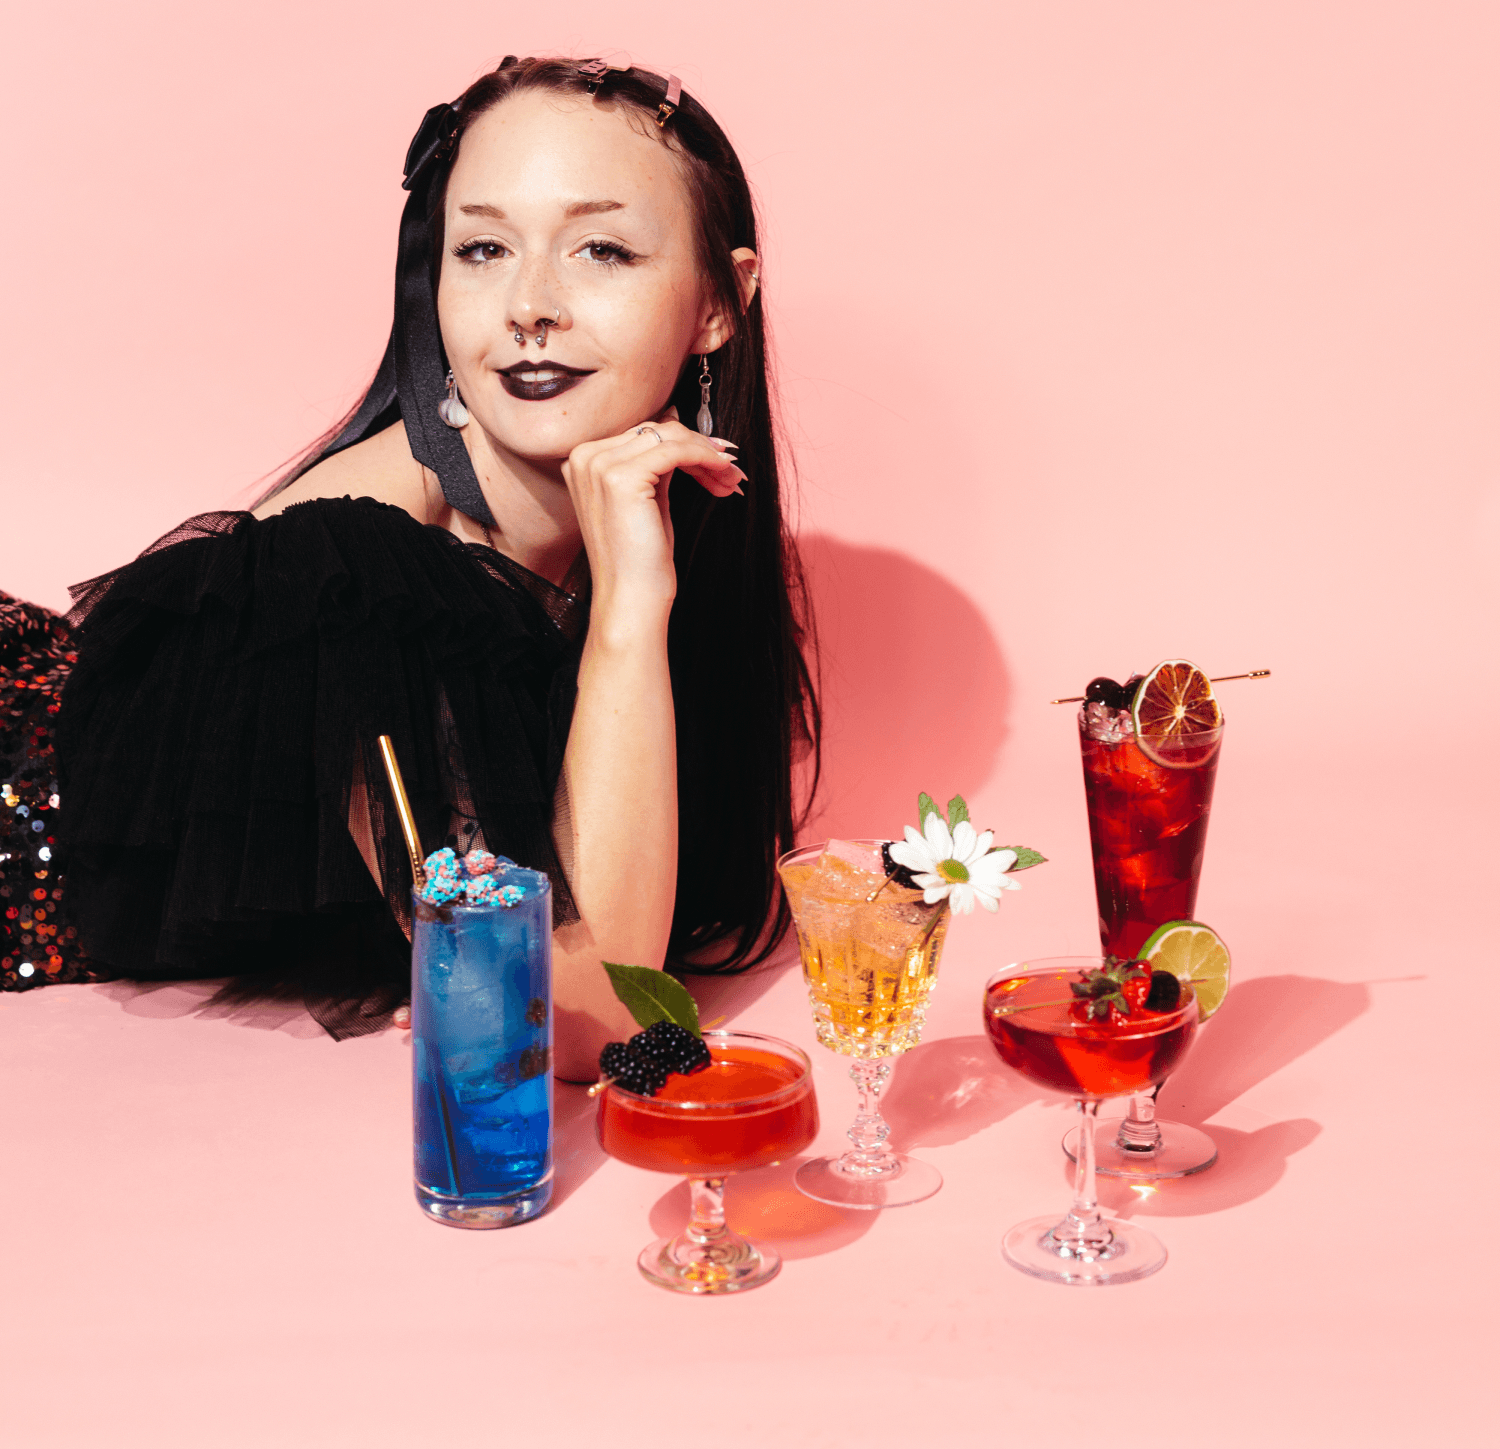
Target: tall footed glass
[(1034, 1022), (1148, 826), (870, 951)]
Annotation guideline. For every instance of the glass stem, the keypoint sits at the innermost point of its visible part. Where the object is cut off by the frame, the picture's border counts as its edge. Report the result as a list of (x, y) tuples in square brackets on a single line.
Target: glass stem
[(869, 1157), (1140, 1133), (1084, 1233), (706, 1224)]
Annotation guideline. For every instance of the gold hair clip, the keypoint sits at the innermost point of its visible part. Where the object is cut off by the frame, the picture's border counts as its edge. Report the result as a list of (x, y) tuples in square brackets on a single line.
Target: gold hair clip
[(673, 98)]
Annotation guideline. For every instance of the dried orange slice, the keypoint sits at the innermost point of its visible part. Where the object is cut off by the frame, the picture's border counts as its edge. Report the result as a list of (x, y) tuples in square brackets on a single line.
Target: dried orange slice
[(1176, 716)]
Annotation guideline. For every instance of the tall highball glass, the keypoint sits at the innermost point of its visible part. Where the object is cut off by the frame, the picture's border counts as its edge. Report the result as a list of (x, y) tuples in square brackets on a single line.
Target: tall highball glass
[(1148, 826)]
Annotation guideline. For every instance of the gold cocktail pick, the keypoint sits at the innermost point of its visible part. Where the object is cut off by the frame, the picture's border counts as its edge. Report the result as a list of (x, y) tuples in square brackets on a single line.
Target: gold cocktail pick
[(403, 810), (1217, 679)]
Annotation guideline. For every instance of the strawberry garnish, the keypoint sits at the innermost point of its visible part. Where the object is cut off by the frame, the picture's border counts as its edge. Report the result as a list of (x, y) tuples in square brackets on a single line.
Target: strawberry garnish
[(1117, 988)]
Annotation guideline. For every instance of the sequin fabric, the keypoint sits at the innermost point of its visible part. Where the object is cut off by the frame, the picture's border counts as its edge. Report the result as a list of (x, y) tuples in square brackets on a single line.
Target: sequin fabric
[(37, 943)]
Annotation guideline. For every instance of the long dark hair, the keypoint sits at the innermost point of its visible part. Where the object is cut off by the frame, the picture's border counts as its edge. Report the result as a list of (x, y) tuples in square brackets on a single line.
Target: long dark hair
[(746, 703)]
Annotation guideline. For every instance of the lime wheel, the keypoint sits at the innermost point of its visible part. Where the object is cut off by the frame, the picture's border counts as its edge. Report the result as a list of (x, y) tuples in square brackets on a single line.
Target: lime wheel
[(1197, 956), (1176, 716)]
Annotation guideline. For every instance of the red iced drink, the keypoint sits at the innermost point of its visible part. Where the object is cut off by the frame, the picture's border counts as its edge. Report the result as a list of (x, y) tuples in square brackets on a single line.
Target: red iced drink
[(1148, 824)]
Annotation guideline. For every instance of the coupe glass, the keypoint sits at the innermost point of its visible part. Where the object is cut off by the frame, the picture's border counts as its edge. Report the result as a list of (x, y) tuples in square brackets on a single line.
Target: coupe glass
[(753, 1107), (1148, 826), (1028, 1015), (870, 952)]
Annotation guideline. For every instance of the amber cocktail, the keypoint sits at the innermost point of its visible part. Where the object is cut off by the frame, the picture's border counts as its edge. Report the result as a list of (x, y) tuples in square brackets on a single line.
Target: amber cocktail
[(1042, 1030), (870, 951), (751, 1107)]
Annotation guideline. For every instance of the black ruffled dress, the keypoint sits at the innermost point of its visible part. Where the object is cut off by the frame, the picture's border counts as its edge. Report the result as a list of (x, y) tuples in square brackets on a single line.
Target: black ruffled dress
[(217, 740)]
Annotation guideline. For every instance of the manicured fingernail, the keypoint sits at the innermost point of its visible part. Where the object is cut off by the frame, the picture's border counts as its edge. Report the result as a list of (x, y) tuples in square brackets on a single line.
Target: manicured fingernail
[(722, 444)]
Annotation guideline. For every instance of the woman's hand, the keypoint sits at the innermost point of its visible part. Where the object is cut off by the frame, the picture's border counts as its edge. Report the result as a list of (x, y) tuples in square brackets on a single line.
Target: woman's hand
[(619, 490)]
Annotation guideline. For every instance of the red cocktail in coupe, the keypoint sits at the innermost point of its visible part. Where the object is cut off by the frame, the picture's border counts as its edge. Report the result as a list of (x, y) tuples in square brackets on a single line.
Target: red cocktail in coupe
[(752, 1106), (1037, 1026), (1093, 1029)]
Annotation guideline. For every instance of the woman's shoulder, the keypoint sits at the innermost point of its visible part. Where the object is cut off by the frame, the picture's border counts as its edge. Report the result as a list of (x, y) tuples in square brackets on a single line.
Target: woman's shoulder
[(381, 468)]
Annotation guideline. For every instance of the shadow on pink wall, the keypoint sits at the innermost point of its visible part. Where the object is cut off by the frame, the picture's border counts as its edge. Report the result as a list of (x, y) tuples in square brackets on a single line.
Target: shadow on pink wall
[(910, 674)]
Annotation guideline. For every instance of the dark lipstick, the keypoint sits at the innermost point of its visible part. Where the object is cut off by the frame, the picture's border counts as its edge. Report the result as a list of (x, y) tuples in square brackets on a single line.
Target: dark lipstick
[(537, 381)]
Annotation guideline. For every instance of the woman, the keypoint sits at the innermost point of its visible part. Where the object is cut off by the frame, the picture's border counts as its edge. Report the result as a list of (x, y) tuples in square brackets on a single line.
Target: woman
[(582, 666)]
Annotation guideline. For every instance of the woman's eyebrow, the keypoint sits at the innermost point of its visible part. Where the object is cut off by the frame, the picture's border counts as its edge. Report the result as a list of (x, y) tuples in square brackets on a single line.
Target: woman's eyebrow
[(578, 208)]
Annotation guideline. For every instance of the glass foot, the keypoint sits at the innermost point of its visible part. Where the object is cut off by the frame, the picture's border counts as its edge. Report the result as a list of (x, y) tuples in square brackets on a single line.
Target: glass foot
[(1183, 1151), (1122, 1254), (722, 1263), (485, 1212), (830, 1180)]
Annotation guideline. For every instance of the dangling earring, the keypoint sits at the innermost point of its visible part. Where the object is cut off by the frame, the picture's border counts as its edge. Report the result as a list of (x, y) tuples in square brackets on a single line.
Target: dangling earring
[(452, 410), (705, 413)]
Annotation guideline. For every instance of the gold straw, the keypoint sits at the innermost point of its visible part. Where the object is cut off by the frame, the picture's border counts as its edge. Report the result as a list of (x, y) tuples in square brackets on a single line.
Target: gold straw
[(403, 809), (1217, 679)]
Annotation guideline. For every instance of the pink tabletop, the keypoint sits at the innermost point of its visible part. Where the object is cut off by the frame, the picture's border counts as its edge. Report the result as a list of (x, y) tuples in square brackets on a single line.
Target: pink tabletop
[(211, 1236)]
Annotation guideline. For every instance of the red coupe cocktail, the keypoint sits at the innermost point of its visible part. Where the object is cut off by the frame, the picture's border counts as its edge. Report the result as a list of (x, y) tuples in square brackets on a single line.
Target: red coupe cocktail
[(1092, 1029), (752, 1106), (1034, 1022)]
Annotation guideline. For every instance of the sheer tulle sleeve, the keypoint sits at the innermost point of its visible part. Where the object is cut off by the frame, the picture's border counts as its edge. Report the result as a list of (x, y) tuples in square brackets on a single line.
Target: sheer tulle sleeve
[(217, 735)]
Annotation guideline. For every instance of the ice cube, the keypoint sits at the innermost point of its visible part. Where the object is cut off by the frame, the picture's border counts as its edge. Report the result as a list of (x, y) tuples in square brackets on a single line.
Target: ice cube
[(851, 852)]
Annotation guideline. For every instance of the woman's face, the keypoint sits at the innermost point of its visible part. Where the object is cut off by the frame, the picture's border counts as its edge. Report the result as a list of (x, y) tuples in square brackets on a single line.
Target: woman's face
[(561, 209)]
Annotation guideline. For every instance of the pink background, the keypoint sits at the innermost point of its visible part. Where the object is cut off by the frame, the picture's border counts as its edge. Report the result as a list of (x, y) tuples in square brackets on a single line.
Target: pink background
[(1108, 333)]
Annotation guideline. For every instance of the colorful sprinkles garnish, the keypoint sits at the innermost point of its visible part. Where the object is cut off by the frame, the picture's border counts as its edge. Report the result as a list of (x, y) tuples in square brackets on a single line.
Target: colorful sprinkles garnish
[(475, 879)]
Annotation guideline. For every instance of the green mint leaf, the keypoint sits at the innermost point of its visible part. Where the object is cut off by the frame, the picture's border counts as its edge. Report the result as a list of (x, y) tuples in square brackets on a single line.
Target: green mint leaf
[(957, 810), (652, 996), (925, 806), (1026, 857)]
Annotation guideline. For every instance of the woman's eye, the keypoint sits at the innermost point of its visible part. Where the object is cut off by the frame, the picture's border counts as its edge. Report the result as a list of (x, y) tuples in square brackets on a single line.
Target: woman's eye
[(478, 252), (609, 253)]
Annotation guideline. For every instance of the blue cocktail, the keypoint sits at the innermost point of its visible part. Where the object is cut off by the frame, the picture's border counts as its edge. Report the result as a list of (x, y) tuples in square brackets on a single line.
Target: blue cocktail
[(481, 1019)]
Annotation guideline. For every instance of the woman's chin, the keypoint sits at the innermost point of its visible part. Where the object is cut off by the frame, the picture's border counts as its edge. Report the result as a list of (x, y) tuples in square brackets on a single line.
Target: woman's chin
[(549, 441)]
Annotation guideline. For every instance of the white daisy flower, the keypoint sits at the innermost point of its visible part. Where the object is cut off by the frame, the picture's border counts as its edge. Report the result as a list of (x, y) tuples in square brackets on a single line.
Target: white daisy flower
[(956, 865)]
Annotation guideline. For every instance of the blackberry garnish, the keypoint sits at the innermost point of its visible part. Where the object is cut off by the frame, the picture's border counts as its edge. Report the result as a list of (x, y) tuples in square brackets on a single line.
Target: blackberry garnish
[(614, 1059), (1165, 993), (643, 1064), (643, 1078), (898, 873), (673, 1047)]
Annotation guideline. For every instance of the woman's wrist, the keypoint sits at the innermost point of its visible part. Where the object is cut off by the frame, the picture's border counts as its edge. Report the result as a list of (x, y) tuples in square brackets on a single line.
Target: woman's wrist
[(620, 629)]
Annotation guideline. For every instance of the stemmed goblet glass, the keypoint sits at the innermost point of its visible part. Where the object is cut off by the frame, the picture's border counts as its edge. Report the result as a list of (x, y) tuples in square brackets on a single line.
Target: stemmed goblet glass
[(1030, 1015), (753, 1106), (870, 950)]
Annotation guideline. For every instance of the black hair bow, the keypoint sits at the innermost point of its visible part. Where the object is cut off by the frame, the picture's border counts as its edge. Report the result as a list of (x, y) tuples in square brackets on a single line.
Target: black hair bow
[(433, 139)]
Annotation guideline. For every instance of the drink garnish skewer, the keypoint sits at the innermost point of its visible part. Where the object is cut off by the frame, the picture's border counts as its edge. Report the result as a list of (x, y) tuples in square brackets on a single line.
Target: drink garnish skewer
[(1217, 679)]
